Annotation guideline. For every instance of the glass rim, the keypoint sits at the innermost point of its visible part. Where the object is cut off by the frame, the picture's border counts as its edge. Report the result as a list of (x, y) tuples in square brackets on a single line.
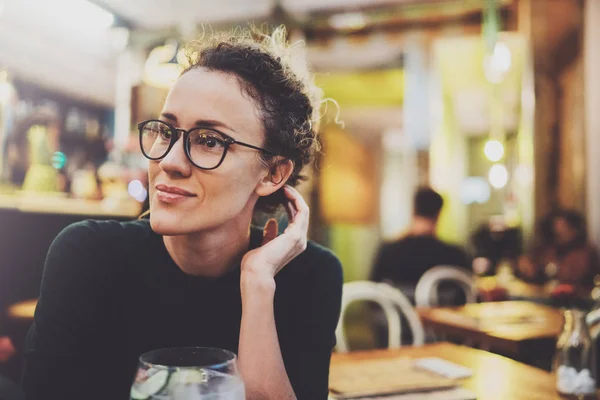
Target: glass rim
[(231, 361)]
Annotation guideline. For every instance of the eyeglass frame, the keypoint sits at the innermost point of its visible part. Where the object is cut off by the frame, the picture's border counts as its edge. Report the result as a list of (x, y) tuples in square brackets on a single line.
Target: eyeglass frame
[(176, 133)]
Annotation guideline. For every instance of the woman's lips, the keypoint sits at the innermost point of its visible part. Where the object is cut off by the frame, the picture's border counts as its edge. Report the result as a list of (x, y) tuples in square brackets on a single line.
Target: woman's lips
[(172, 194)]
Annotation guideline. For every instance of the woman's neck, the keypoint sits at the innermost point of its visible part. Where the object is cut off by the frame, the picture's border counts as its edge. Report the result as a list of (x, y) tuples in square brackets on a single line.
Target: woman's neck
[(210, 253)]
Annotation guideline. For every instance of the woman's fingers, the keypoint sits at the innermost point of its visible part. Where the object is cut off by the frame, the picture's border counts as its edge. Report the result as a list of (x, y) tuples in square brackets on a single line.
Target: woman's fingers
[(296, 232), (301, 216)]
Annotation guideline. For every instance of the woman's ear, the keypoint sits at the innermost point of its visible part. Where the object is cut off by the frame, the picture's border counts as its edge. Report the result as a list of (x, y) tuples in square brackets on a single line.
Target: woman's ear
[(280, 169)]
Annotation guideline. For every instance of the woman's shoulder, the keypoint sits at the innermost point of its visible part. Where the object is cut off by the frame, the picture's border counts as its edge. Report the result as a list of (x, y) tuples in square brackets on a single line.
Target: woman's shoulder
[(104, 231), (98, 242), (317, 251), (317, 261)]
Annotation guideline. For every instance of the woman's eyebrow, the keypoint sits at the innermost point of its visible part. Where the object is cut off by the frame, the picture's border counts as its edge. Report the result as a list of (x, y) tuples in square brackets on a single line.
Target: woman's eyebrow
[(210, 123), (206, 123), (169, 116)]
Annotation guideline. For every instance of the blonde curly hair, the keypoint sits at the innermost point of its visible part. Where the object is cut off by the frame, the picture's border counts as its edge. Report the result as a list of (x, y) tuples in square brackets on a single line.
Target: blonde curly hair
[(275, 74)]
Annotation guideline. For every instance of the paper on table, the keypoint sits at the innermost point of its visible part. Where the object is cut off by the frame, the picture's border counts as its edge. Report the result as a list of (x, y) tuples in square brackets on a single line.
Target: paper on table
[(444, 367), (384, 376), (448, 394)]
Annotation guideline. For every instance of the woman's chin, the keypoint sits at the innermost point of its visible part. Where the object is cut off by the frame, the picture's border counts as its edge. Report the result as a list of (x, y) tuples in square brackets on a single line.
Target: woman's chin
[(167, 224), (165, 228)]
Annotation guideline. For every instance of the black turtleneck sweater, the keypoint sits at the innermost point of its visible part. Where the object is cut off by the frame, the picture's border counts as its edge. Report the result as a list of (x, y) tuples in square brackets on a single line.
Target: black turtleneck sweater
[(111, 292)]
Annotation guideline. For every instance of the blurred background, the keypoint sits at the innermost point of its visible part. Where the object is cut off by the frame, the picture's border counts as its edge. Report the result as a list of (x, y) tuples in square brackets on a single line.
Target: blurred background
[(495, 104)]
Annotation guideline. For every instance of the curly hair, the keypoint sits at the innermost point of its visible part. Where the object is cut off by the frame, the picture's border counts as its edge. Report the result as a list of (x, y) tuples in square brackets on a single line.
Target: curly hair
[(272, 73)]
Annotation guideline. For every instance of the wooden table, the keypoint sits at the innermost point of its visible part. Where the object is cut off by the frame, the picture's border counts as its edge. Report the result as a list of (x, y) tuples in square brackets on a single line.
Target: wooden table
[(494, 377), (519, 289), (506, 326), (516, 287)]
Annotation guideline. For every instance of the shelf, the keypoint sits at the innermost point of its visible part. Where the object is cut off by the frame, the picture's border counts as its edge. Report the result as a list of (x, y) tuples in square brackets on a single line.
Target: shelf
[(45, 204)]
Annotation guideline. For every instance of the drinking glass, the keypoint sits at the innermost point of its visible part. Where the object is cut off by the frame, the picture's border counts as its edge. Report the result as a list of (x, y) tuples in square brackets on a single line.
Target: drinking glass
[(574, 363), (188, 373)]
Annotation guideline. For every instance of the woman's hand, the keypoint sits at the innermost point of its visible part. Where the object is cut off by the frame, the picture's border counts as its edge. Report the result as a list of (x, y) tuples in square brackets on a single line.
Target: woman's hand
[(260, 359), (277, 251)]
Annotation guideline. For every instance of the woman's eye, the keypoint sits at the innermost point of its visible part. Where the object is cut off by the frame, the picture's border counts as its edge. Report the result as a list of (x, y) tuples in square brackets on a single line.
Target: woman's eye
[(165, 134), (209, 141)]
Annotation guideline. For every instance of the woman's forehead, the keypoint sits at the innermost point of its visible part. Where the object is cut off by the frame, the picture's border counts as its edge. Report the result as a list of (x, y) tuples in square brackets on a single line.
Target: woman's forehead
[(216, 96)]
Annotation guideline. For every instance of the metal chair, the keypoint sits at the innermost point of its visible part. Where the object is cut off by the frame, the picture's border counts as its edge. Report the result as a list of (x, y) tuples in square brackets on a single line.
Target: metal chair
[(426, 292), (391, 300), (593, 317)]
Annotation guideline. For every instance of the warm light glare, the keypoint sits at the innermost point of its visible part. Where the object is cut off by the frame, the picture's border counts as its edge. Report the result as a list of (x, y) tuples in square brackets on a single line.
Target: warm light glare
[(498, 176), (162, 67), (162, 75), (76, 13), (498, 63), (501, 59), (493, 150), (352, 20)]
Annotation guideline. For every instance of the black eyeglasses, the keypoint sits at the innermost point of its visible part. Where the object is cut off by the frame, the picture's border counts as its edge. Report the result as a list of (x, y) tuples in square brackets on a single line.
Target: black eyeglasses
[(205, 148)]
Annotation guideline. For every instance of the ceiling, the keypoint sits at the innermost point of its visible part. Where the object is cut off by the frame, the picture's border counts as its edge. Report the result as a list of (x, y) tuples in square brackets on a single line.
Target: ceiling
[(38, 49), (34, 48), (160, 14)]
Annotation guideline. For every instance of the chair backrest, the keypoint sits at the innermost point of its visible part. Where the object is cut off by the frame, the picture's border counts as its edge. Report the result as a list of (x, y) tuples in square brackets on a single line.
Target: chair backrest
[(593, 317), (426, 292), (391, 301)]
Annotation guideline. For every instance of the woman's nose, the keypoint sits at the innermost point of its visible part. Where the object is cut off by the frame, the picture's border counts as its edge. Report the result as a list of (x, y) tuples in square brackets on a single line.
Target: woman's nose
[(176, 161)]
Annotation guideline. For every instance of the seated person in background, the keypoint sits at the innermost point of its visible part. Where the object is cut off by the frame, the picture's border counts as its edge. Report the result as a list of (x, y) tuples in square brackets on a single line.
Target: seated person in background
[(563, 253), (494, 243), (404, 261)]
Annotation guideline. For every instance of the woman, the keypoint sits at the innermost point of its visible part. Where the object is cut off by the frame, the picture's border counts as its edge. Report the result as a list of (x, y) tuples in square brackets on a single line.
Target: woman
[(565, 252), (235, 131)]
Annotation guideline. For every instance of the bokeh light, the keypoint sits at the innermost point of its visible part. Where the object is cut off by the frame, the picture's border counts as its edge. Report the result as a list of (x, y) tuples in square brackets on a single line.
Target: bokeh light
[(475, 189), (493, 150), (59, 160), (498, 176), (137, 190)]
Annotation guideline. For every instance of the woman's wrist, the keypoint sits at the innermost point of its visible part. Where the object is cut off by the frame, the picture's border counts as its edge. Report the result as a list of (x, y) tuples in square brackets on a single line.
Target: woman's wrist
[(254, 282)]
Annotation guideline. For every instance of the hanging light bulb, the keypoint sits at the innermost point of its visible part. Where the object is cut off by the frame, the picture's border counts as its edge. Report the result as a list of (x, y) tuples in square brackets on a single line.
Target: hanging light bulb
[(497, 64), (493, 150), (498, 176)]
